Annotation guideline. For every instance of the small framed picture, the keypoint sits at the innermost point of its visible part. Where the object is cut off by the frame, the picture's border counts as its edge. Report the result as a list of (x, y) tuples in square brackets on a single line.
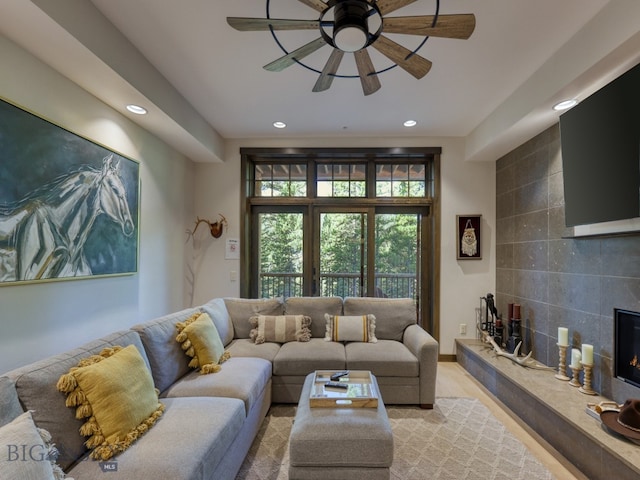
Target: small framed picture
[(469, 238)]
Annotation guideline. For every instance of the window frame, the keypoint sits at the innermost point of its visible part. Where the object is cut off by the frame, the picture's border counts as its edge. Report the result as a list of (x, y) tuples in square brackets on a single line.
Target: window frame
[(430, 156)]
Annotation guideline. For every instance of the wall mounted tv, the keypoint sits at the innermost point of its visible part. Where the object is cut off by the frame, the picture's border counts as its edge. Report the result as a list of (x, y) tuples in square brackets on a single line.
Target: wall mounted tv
[(600, 140)]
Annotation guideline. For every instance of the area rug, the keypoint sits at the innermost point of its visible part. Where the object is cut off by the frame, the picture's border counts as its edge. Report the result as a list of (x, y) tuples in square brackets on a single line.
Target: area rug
[(459, 439)]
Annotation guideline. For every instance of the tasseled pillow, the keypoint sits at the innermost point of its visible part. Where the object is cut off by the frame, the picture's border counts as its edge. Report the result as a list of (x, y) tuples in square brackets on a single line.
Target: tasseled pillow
[(114, 392), (200, 341)]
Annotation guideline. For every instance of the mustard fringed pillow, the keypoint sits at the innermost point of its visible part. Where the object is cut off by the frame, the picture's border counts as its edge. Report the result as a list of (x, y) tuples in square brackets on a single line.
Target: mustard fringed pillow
[(201, 341), (114, 391)]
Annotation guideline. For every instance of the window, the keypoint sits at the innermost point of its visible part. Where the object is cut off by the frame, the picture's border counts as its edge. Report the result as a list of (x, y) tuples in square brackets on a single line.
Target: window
[(280, 180), (401, 180), (344, 222), (341, 179)]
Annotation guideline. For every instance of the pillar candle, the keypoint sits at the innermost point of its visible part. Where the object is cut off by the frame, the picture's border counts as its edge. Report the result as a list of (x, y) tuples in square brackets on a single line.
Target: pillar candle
[(510, 311), (576, 357), (587, 354), (563, 336), (516, 311)]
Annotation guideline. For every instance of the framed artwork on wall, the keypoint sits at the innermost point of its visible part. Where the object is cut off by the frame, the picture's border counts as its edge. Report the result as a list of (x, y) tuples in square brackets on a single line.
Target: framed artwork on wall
[(69, 207), (468, 237)]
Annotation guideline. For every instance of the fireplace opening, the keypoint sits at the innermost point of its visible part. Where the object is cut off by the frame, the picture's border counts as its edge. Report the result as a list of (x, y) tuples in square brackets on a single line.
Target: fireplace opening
[(627, 346)]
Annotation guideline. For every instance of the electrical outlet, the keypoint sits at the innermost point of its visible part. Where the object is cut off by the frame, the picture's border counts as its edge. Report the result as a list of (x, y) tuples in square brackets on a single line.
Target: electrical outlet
[(463, 329)]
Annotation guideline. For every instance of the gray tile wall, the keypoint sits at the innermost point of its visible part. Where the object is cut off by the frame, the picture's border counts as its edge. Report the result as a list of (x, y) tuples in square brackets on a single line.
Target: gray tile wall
[(570, 282)]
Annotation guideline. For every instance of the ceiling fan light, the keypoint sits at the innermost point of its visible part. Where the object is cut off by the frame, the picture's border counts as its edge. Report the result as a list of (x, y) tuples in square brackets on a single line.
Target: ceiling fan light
[(350, 39), (351, 31)]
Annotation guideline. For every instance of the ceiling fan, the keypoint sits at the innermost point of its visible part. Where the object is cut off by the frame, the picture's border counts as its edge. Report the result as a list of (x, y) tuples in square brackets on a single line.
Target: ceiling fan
[(351, 26)]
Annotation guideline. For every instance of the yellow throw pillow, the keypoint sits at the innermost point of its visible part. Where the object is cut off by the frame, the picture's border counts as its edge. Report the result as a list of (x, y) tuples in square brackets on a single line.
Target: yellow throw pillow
[(114, 391), (201, 341), (351, 328)]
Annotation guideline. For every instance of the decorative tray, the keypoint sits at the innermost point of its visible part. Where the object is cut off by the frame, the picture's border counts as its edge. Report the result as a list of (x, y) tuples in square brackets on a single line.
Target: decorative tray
[(361, 391)]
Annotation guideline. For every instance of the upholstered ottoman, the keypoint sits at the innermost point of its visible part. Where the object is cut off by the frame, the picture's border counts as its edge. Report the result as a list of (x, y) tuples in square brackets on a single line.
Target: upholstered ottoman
[(339, 443)]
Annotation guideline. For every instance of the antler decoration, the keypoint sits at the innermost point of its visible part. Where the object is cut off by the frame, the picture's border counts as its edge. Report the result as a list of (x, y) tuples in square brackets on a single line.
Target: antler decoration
[(524, 361), (215, 228)]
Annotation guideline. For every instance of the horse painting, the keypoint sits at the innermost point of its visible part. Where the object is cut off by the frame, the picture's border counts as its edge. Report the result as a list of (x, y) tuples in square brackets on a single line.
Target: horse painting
[(43, 235)]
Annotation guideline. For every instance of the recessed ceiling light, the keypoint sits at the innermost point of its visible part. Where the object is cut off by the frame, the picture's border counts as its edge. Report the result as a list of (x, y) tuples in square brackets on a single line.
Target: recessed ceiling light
[(410, 123), (565, 104), (137, 109), (279, 124)]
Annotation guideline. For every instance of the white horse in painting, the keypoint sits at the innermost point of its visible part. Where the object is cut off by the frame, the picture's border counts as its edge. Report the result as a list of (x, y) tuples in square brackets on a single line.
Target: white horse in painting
[(43, 235)]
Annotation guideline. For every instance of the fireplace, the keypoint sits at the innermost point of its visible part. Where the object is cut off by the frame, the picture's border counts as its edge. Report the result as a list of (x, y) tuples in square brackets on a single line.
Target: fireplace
[(626, 356)]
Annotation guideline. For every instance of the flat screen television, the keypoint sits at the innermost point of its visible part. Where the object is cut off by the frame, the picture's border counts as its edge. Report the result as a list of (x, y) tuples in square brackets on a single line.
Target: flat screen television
[(600, 140)]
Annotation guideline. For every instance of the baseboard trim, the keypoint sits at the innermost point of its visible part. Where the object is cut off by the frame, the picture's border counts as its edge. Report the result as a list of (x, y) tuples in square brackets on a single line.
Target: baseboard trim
[(447, 358)]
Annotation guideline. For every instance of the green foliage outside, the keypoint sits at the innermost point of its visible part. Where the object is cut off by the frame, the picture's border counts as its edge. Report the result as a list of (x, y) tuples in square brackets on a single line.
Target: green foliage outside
[(343, 251)]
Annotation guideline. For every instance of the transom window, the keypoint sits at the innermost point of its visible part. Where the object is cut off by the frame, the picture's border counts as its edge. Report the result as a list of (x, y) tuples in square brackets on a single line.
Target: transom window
[(280, 179), (401, 180), (341, 179)]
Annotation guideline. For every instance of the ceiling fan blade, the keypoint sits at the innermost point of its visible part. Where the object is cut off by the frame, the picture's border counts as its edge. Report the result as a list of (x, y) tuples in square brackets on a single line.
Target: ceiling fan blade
[(448, 26), (318, 5), (407, 60), (366, 70), (388, 6), (298, 54), (259, 24), (329, 70)]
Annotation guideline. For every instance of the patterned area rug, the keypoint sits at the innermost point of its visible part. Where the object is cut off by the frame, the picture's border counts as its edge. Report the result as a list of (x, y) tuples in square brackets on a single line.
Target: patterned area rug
[(458, 439)]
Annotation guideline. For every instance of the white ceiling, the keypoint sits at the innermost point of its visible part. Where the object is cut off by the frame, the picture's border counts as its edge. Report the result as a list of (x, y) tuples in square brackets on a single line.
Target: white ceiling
[(203, 81)]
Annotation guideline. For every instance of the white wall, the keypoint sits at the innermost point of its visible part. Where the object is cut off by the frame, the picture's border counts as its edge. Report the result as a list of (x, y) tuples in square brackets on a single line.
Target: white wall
[(46, 318), (467, 188)]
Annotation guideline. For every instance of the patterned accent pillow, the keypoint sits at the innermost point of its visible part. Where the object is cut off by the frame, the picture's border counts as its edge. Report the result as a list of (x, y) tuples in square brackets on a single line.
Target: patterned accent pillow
[(200, 341), (280, 328), (351, 328), (114, 392)]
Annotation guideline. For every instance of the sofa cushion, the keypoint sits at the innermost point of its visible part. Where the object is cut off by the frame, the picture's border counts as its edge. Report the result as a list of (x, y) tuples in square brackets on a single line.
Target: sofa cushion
[(168, 361), (386, 358), (217, 310), (242, 309), (36, 387), (393, 315), (244, 347), (297, 358), (9, 404), (188, 443), (356, 328), (280, 328), (316, 308), (114, 392), (25, 453), (200, 340), (242, 378)]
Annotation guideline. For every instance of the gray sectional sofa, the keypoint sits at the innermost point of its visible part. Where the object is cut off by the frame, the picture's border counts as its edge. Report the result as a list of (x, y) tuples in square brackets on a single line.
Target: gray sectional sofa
[(210, 421)]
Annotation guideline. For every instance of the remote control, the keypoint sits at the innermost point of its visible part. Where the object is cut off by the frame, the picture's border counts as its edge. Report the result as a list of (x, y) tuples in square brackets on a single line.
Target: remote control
[(342, 386), (337, 375)]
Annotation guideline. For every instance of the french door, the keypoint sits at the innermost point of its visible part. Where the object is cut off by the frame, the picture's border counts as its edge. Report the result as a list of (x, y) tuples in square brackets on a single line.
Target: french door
[(343, 251), (366, 252)]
